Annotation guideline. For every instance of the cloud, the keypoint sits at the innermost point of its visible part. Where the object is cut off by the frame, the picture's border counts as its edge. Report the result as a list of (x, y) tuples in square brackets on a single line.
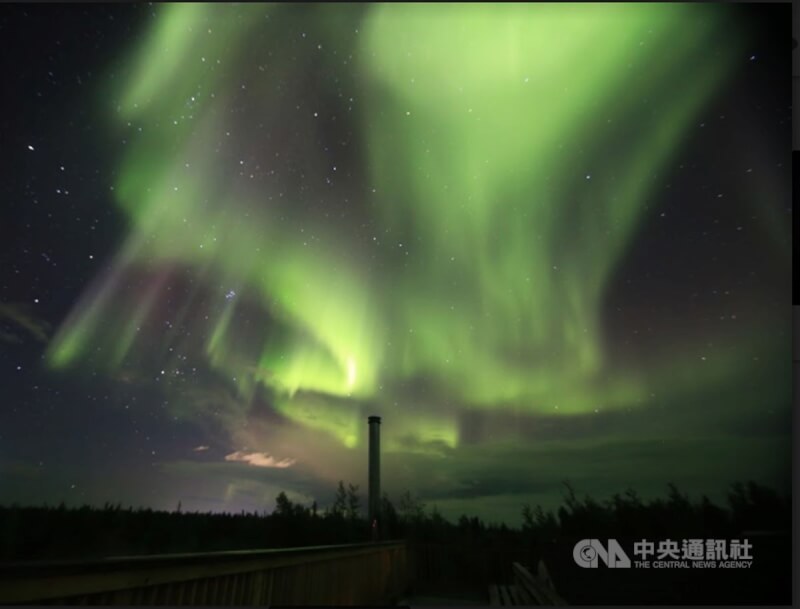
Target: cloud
[(20, 469), (259, 459), (436, 447), (9, 338), (19, 315), (213, 477)]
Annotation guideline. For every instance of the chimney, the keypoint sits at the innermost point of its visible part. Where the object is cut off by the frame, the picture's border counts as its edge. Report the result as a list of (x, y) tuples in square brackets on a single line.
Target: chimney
[(374, 474)]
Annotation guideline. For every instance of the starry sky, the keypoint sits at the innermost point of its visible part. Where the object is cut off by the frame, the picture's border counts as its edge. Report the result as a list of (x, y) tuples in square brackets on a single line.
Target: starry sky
[(542, 242)]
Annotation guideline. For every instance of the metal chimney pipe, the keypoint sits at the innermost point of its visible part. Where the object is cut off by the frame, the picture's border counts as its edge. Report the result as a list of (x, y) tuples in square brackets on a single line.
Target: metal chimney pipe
[(374, 474)]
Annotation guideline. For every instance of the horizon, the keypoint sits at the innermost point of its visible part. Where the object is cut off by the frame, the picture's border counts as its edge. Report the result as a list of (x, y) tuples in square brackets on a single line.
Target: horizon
[(428, 511)]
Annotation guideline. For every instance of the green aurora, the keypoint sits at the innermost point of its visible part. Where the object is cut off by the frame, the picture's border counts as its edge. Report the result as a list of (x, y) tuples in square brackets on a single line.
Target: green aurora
[(508, 154)]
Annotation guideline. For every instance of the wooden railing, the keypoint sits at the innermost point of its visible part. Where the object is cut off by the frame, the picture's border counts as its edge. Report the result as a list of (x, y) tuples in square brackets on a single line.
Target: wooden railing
[(362, 574)]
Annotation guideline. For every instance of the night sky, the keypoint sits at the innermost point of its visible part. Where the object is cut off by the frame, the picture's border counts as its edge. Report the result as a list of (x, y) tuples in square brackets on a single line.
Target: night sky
[(542, 242)]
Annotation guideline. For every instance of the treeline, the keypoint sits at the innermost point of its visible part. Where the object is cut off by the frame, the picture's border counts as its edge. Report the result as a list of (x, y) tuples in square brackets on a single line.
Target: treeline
[(750, 507), (36, 533)]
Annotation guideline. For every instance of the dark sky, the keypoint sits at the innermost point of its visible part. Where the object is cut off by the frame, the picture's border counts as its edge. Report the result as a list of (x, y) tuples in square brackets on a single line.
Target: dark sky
[(542, 243)]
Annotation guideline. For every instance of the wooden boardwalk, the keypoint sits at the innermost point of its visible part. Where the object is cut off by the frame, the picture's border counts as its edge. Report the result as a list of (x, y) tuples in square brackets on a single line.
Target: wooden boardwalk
[(358, 574)]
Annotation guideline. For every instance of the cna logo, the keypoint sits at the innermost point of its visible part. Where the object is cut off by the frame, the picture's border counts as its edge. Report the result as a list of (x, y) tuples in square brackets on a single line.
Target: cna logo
[(587, 551)]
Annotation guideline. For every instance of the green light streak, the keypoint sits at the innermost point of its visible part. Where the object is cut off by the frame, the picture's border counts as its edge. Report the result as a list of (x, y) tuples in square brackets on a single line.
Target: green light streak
[(513, 149)]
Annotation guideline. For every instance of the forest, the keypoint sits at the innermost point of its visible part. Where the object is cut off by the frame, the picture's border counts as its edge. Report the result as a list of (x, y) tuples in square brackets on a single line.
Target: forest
[(58, 532)]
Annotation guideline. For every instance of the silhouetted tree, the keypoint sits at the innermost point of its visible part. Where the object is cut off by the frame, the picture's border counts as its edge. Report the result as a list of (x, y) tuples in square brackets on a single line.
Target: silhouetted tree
[(353, 502), (411, 509), (283, 506), (527, 517), (339, 506)]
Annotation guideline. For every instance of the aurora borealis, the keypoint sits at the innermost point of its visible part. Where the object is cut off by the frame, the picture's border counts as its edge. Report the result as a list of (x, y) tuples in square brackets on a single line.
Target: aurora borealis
[(542, 241)]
